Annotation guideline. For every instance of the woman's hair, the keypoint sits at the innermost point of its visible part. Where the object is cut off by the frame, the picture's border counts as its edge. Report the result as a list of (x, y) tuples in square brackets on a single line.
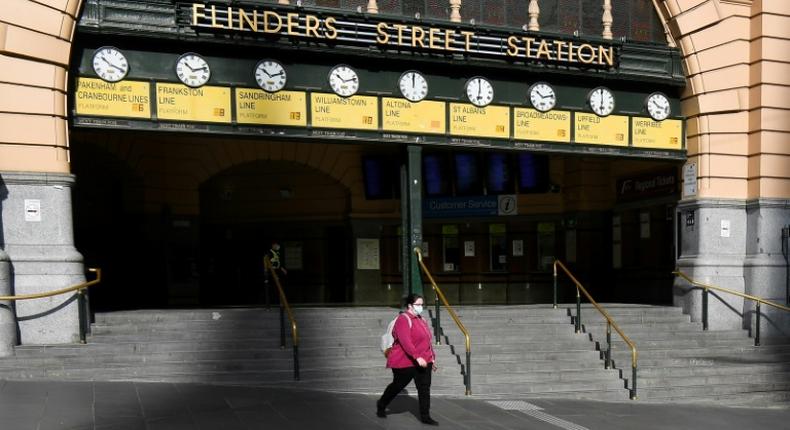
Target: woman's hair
[(411, 298)]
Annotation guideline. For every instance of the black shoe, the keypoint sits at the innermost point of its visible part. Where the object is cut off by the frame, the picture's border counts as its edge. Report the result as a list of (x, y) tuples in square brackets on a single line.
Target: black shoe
[(430, 421), (380, 411)]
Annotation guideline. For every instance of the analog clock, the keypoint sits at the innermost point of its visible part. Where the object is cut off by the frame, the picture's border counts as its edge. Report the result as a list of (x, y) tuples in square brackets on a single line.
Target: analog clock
[(110, 64), (542, 96), (413, 86), (479, 91), (343, 80), (657, 105), (192, 70), (270, 75), (601, 101)]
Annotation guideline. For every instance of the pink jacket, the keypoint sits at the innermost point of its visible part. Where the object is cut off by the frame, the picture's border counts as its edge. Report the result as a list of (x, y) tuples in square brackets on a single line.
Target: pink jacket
[(410, 343)]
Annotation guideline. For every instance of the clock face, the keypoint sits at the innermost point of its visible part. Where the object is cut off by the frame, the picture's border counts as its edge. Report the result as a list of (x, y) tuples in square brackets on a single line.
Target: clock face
[(413, 86), (658, 106), (343, 80), (542, 96), (192, 70), (479, 91), (110, 64), (270, 75), (601, 101)]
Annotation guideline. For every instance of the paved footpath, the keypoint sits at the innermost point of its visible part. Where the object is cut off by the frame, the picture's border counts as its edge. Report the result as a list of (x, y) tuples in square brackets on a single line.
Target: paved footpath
[(162, 406)]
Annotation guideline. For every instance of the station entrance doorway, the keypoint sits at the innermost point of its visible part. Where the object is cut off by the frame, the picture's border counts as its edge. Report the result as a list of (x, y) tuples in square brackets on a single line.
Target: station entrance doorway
[(181, 221)]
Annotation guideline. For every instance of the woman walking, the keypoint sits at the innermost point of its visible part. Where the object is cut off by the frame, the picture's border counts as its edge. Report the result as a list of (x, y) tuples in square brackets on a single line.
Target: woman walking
[(411, 357)]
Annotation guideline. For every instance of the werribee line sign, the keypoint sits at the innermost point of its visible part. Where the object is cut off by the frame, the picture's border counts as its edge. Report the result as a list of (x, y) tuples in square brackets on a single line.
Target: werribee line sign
[(390, 34)]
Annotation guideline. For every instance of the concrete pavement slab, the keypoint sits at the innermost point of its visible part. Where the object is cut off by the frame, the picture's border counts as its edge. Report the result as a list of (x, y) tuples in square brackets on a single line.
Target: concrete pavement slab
[(161, 406)]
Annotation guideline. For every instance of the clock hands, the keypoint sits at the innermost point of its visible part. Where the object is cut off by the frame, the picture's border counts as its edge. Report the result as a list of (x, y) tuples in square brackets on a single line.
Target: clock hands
[(110, 64)]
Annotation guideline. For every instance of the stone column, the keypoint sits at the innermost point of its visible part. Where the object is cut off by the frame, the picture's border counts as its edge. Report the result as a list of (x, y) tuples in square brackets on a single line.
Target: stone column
[(37, 235), (7, 321), (712, 252), (765, 268)]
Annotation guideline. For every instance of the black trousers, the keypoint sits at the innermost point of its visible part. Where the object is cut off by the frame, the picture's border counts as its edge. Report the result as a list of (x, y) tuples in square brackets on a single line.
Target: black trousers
[(401, 378)]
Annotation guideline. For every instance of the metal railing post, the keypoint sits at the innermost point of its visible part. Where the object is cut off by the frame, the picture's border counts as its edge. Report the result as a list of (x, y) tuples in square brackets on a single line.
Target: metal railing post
[(468, 373), (88, 320), (282, 326), (555, 286), (608, 364), (633, 383), (578, 311), (296, 362), (705, 309), (757, 329), (82, 316), (436, 321)]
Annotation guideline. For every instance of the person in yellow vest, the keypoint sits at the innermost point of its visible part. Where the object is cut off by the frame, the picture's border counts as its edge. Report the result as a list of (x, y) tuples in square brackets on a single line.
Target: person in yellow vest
[(274, 257)]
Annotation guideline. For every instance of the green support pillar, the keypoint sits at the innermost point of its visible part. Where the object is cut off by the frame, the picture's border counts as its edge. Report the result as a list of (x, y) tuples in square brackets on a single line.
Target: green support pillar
[(414, 219), (405, 238)]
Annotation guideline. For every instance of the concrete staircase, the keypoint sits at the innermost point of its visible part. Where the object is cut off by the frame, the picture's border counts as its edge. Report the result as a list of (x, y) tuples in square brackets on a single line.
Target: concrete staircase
[(678, 362), (517, 351), (529, 351)]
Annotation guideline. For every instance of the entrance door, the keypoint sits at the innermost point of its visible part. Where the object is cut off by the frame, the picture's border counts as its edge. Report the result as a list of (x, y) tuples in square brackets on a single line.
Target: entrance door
[(338, 270)]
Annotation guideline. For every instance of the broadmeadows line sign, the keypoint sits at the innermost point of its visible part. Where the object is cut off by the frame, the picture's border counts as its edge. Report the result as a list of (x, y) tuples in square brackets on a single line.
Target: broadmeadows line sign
[(388, 34)]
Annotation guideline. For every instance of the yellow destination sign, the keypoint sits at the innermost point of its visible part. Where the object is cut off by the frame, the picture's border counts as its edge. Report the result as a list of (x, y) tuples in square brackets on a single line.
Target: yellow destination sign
[(358, 112), (470, 120), (667, 134), (182, 103), (595, 130), (119, 99), (422, 117), (530, 124), (255, 106)]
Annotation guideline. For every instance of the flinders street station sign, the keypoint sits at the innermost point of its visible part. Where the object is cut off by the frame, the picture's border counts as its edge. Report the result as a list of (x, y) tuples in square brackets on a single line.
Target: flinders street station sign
[(359, 29)]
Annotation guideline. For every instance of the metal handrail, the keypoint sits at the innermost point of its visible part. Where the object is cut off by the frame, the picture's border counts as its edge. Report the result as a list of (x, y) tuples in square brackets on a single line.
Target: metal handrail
[(706, 287), (440, 296), (609, 324), (284, 306), (83, 304)]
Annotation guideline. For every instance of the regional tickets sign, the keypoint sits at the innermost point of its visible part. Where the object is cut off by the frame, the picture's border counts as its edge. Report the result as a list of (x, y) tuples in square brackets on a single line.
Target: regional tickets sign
[(182, 103), (255, 106), (666, 134), (357, 112), (128, 99), (530, 124), (470, 120), (595, 130), (405, 116)]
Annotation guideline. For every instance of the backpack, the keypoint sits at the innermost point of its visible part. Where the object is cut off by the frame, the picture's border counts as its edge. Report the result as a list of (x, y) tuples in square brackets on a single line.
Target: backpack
[(387, 340)]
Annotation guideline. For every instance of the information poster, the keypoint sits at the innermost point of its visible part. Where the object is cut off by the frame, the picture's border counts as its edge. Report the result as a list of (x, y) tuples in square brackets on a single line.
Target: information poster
[(405, 116), (182, 103), (254, 106), (530, 124), (470, 120), (595, 130), (358, 112), (128, 99), (367, 254), (667, 134)]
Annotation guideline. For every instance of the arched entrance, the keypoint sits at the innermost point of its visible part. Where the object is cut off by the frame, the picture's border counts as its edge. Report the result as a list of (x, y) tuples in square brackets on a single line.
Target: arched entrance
[(244, 208)]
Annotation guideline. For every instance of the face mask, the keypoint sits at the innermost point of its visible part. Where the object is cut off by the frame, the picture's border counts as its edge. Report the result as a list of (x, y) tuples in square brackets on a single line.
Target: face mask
[(417, 309)]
